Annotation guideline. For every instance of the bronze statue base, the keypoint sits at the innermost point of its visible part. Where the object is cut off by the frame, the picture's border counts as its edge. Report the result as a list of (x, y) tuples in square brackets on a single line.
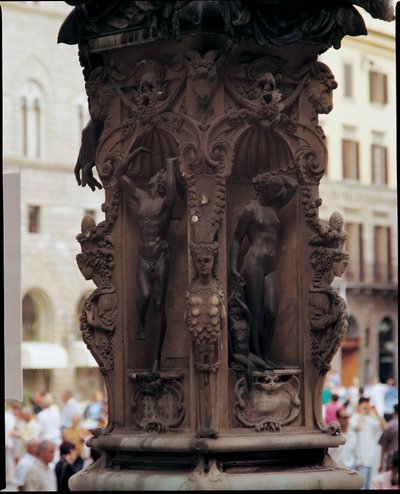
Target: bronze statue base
[(319, 476)]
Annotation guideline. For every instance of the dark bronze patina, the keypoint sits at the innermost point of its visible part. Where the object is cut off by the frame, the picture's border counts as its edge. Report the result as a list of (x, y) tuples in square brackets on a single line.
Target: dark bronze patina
[(213, 320)]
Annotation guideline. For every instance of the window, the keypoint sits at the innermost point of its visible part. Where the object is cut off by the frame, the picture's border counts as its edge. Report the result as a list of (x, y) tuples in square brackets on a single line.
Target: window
[(29, 319), (348, 80), (386, 349), (379, 159), (34, 219), (379, 164), (37, 111), (32, 121), (355, 246), (24, 112), (382, 254), (350, 157), (378, 87), (35, 317)]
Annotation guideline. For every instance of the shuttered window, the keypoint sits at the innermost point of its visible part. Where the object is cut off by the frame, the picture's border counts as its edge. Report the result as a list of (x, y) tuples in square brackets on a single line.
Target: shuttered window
[(379, 164), (348, 80), (378, 85), (350, 157)]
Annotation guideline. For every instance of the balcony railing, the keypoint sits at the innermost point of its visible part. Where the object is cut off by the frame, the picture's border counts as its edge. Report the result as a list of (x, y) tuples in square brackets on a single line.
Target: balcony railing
[(362, 197)]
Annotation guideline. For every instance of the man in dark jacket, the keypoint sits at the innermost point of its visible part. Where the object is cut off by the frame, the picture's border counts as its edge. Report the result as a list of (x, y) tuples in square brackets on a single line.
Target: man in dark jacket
[(64, 468)]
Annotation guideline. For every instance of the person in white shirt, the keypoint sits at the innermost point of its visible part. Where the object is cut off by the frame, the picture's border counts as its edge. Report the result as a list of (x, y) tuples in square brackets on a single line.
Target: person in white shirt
[(345, 455), (25, 463), (376, 391), (49, 421), (29, 429), (368, 425), (41, 476), (71, 407), (10, 420)]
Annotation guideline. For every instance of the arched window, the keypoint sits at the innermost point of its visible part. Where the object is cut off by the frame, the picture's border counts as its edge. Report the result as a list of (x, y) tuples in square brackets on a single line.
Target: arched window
[(32, 120), (386, 348), (35, 317)]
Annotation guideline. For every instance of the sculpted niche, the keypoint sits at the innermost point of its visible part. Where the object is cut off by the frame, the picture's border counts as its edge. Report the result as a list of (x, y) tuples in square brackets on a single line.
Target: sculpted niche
[(214, 320), (170, 107)]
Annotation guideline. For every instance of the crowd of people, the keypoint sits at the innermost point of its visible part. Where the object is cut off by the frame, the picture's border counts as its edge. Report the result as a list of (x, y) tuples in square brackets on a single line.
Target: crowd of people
[(46, 443), (368, 419)]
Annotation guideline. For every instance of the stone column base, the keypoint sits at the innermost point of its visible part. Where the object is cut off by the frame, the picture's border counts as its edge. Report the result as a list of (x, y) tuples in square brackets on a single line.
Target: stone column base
[(327, 476)]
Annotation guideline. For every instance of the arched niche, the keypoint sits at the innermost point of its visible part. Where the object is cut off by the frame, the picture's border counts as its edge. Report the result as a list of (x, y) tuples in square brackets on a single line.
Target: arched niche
[(162, 144), (260, 149), (386, 349)]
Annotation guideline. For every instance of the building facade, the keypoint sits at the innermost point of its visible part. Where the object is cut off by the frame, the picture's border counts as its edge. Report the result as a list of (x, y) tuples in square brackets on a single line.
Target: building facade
[(44, 111), (361, 183)]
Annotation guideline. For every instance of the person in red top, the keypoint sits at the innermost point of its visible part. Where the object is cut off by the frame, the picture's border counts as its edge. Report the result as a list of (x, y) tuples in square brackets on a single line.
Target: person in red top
[(332, 407)]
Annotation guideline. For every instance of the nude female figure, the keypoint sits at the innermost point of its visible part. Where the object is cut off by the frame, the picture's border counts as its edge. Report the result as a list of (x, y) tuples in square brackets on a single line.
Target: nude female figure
[(259, 221), (154, 216)]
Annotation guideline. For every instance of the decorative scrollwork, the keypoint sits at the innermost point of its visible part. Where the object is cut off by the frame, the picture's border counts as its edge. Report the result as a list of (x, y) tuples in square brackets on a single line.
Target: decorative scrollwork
[(274, 402), (96, 261), (157, 403)]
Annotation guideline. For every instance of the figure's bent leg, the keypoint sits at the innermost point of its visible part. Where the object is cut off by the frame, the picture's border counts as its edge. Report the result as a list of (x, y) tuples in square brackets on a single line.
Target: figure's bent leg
[(246, 363), (257, 362)]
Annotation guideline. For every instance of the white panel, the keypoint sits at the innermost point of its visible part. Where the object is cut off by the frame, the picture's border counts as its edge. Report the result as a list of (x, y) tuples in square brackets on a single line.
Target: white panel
[(12, 285)]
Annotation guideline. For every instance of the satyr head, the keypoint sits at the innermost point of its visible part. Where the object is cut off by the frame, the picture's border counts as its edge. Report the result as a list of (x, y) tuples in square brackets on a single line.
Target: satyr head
[(266, 84)]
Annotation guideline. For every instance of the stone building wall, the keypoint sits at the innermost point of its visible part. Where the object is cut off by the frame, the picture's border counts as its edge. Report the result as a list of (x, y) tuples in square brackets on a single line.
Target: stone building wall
[(370, 300), (48, 267)]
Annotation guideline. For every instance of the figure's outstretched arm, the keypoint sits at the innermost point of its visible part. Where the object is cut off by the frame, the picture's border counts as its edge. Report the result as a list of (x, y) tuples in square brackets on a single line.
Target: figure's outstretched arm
[(124, 181), (170, 185)]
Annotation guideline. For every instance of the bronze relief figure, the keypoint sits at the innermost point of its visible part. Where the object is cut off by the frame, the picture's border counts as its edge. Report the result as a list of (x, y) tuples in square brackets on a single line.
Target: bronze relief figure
[(154, 214), (259, 222)]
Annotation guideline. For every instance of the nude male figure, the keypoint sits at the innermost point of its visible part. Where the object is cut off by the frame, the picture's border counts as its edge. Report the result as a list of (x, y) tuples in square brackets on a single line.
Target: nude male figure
[(154, 216)]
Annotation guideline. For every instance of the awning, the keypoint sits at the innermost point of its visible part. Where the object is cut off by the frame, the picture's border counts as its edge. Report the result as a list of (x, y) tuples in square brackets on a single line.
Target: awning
[(80, 356), (40, 355)]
